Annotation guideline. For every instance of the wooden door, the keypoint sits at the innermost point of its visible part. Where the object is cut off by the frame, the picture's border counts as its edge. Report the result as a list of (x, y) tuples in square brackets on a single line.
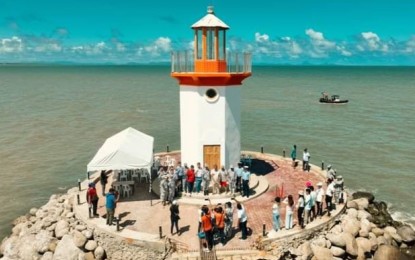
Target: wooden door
[(211, 155)]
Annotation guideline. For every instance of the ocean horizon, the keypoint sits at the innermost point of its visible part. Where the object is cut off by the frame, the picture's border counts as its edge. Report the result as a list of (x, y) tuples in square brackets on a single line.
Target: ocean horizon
[(54, 117)]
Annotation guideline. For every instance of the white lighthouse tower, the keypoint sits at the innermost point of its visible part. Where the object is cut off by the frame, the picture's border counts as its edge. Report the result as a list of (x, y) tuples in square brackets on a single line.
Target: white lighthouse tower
[(210, 81)]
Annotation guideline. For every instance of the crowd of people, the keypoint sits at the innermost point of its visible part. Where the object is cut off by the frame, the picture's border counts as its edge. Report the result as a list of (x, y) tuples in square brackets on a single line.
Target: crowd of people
[(310, 202), (190, 180)]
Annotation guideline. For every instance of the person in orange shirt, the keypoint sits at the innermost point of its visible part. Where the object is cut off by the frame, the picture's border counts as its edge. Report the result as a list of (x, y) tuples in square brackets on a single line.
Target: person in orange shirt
[(207, 226), (220, 222)]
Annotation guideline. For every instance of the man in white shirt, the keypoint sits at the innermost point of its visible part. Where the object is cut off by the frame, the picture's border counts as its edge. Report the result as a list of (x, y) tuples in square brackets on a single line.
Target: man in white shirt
[(329, 196), (319, 199), (306, 159), (242, 220)]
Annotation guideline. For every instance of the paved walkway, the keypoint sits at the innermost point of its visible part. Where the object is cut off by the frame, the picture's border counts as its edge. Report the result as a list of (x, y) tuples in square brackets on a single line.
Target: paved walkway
[(142, 215)]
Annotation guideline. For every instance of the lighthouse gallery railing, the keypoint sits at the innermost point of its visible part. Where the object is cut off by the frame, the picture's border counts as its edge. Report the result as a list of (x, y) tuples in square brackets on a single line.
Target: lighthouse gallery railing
[(237, 62)]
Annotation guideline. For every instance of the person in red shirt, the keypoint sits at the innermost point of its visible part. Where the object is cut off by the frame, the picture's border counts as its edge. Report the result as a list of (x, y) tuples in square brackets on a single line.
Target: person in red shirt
[(92, 198), (190, 176)]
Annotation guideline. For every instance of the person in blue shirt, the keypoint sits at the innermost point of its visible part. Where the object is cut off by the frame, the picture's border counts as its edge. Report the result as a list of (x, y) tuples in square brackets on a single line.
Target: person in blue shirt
[(238, 171), (110, 205), (245, 181)]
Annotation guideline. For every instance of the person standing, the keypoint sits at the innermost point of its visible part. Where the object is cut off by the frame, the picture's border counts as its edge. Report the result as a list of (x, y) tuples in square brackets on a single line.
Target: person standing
[(223, 179), (306, 160), (313, 195), (228, 219), (294, 155), (174, 217), (206, 181), (238, 172), (92, 198), (220, 223), (207, 226), (172, 184), (215, 180), (242, 220), (307, 206), (300, 208), (199, 176), (329, 196), (164, 184), (289, 212), (190, 175), (231, 180), (103, 180), (330, 173), (276, 213), (179, 172), (110, 206), (245, 181), (319, 199)]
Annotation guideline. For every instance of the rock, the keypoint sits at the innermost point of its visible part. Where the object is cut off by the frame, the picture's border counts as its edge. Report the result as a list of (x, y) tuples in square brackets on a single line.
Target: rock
[(373, 242), (364, 244), (385, 252), (363, 214), (337, 251), (406, 233), (33, 211), (70, 215), (363, 203), (352, 205), (321, 253), (43, 239), (66, 249), (99, 253), (87, 233), (9, 247), (305, 249), (390, 230), (26, 249), (381, 241), (89, 256), (388, 238), (21, 219), (352, 213), (337, 229), (362, 194), (351, 225), (321, 242), (62, 228), (397, 238), (79, 239), (365, 228), (377, 231), (80, 227), (91, 245), (53, 244), (336, 240), (47, 256), (351, 245), (380, 214)]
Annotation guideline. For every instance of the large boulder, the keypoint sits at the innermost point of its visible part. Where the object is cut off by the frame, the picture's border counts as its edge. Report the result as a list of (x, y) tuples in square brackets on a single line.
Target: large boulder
[(79, 239), (362, 194), (351, 225), (351, 245), (321, 242), (352, 213), (62, 228), (99, 253), (91, 245), (406, 233), (386, 252), (9, 247), (321, 253), (305, 249), (351, 204), (47, 256), (365, 228), (66, 249), (373, 242), (380, 214), (364, 245), (26, 248), (337, 251), (336, 240), (362, 203), (378, 231), (43, 239)]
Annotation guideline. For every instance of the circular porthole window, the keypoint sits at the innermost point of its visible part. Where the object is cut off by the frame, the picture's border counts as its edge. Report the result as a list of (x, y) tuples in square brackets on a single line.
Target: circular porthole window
[(211, 95)]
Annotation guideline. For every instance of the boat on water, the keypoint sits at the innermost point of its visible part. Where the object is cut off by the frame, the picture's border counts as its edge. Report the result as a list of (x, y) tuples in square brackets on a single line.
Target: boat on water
[(334, 99)]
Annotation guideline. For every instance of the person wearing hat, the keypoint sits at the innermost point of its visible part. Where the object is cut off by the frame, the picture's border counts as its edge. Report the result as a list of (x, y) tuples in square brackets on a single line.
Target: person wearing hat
[(92, 198), (319, 199), (245, 181), (306, 160), (331, 174), (174, 217), (300, 208)]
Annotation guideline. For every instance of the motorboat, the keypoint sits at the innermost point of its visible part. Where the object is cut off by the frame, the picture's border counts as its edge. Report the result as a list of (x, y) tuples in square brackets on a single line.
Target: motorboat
[(334, 99)]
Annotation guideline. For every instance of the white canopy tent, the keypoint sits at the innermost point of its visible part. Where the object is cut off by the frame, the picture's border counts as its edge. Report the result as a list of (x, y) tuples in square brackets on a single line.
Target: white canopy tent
[(127, 150)]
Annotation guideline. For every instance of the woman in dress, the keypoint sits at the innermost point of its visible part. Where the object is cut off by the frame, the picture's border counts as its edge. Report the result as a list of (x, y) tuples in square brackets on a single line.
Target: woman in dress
[(289, 209)]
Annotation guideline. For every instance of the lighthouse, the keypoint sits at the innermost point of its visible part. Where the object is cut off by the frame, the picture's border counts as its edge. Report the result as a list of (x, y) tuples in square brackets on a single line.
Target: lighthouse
[(210, 80)]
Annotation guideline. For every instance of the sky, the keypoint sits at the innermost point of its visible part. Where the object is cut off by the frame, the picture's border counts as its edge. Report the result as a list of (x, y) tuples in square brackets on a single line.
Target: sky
[(295, 32)]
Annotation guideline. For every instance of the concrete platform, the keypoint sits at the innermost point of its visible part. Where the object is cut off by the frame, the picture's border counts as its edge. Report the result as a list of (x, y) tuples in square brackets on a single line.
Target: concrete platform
[(142, 215)]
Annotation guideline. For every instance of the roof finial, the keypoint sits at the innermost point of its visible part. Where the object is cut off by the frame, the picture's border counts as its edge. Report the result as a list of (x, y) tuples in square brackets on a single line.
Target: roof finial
[(210, 9)]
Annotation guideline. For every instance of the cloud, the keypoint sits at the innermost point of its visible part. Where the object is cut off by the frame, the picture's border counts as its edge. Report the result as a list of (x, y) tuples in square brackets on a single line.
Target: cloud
[(11, 45), (169, 19), (61, 32), (261, 38), (370, 41)]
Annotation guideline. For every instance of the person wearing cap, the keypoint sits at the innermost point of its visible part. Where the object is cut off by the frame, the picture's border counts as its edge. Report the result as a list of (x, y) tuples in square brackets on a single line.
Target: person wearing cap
[(300, 208), (306, 160), (245, 181), (92, 198), (331, 174), (174, 217), (338, 187), (231, 180), (329, 196), (320, 198)]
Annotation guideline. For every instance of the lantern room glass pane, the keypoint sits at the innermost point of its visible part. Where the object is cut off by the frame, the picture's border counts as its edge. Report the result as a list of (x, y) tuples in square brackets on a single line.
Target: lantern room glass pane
[(199, 44), (210, 41), (221, 43)]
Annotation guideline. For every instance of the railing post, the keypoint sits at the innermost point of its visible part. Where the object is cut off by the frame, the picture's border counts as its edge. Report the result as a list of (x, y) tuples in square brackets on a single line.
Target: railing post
[(118, 222), (264, 232), (322, 165), (78, 199), (262, 149), (160, 232), (167, 148), (79, 184), (283, 153)]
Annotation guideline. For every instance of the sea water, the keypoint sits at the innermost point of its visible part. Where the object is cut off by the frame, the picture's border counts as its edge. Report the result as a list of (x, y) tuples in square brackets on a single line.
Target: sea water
[(53, 119)]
